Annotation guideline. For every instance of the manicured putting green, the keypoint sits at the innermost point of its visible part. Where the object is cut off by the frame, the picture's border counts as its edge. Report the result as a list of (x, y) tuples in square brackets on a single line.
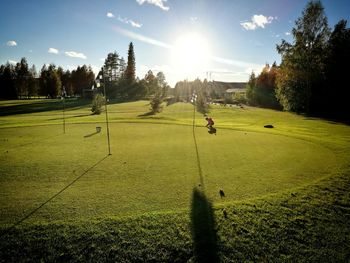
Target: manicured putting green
[(153, 167)]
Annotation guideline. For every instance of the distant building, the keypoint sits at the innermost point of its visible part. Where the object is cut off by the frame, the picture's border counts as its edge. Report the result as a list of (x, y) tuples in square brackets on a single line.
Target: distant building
[(223, 89), (215, 90)]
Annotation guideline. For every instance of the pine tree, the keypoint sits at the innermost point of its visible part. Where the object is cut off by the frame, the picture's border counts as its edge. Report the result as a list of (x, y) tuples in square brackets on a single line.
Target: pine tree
[(22, 75), (130, 74), (111, 65), (7, 82)]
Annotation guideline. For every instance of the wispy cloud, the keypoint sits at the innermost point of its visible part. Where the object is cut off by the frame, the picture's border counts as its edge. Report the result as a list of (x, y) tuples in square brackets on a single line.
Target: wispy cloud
[(135, 24), (141, 38), (11, 43), (247, 66), (110, 15), (13, 62), (129, 21), (287, 33), (194, 19), (256, 22), (74, 54), (159, 3), (53, 50)]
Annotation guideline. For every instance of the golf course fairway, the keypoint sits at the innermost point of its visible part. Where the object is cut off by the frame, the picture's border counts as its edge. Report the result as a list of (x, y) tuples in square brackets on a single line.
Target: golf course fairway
[(61, 184)]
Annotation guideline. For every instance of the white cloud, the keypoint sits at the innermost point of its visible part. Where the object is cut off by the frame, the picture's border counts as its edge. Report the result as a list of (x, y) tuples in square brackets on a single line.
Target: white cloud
[(141, 38), (53, 50), (13, 62), (74, 54), (159, 3), (248, 25), (287, 33), (109, 14), (257, 21), (193, 18), (11, 43), (135, 24), (129, 21)]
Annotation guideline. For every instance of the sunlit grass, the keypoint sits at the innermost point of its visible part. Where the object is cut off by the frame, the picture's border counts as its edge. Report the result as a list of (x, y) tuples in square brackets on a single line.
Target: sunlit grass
[(273, 179)]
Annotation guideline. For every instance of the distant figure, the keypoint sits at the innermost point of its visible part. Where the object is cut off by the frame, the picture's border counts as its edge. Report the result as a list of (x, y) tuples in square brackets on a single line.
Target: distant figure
[(209, 125), (222, 193), (210, 122)]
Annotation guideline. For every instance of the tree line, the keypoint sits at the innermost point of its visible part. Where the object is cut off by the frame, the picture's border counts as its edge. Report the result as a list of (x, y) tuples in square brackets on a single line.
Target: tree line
[(312, 76), (117, 76), (119, 80), (21, 81)]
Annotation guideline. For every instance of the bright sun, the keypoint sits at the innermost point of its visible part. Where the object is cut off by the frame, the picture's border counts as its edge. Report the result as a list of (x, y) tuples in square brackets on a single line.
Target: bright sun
[(190, 54)]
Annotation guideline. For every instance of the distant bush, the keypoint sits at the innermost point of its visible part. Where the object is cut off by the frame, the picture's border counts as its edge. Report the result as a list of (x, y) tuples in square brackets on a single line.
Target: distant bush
[(97, 103), (156, 103), (240, 98)]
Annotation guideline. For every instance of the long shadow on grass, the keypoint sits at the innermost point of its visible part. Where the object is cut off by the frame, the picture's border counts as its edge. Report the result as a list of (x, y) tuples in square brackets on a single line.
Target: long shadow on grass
[(57, 194), (41, 106), (203, 228)]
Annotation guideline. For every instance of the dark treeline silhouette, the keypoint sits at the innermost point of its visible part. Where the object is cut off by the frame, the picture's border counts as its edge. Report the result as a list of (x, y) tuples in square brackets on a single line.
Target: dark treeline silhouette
[(119, 79), (312, 76), (117, 76), (19, 81)]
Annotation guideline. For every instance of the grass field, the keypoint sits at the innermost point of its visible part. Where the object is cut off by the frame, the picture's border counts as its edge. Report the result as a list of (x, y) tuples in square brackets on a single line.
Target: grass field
[(156, 198)]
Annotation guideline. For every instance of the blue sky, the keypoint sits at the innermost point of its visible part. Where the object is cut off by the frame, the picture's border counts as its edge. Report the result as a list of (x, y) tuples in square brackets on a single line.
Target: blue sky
[(222, 40)]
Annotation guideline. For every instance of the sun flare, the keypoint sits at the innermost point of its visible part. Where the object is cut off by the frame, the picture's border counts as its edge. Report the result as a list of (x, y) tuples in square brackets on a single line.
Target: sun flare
[(190, 54)]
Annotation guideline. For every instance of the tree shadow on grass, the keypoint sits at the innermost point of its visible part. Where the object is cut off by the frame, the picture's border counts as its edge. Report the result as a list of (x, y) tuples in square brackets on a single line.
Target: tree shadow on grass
[(42, 106), (203, 228), (146, 114)]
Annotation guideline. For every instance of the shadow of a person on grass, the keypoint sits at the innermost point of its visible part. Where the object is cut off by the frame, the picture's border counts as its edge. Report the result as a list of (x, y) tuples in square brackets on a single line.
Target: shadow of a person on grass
[(203, 228)]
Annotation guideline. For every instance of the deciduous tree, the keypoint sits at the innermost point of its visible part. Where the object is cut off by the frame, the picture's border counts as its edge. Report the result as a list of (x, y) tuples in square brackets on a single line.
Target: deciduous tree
[(302, 69)]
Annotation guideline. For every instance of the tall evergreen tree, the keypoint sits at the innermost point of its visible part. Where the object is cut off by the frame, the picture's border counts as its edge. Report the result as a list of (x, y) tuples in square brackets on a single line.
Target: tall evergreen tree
[(7, 82), (22, 76), (82, 78), (33, 84), (122, 67), (130, 74), (163, 85), (50, 82), (111, 65)]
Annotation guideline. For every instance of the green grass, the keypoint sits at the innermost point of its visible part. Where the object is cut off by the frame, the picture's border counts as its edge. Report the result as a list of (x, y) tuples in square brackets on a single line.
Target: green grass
[(287, 188)]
